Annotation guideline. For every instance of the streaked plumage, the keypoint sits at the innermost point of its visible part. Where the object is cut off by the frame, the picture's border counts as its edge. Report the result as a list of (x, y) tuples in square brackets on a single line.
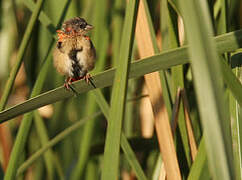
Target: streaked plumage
[(74, 55)]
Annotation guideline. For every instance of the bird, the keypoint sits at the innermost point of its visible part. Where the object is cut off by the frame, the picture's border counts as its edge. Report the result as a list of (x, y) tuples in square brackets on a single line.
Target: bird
[(74, 55)]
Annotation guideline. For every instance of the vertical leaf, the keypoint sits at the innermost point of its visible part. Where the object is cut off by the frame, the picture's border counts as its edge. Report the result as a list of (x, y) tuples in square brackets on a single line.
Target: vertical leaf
[(112, 146), (209, 87)]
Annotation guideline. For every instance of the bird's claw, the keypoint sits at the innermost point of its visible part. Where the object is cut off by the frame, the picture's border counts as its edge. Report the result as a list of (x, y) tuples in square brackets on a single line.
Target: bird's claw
[(68, 87), (67, 84), (88, 79)]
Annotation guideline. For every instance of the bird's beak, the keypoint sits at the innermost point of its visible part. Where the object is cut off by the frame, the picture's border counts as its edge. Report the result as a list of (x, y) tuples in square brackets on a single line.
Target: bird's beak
[(88, 27)]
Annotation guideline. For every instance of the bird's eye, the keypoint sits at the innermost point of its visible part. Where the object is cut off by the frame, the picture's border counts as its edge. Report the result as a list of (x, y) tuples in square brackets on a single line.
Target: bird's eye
[(82, 26)]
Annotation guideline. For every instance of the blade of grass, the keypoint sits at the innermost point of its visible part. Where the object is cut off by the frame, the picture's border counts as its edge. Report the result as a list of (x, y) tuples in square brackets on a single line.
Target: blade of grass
[(175, 112), (85, 140), (101, 80), (131, 158), (191, 138), (43, 136), (169, 31), (91, 170), (222, 19), (232, 81), (208, 83), (235, 91), (44, 19), (168, 27), (175, 5), (222, 26), (235, 132), (225, 43), (130, 155), (239, 124), (117, 29), (199, 169), (27, 120), (112, 145)]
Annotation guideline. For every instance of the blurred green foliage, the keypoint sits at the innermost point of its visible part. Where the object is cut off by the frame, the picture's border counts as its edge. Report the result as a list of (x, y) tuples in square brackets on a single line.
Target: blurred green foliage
[(73, 148)]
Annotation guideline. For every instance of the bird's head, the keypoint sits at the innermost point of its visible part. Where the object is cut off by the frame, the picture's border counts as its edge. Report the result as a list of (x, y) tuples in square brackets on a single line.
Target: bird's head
[(76, 26)]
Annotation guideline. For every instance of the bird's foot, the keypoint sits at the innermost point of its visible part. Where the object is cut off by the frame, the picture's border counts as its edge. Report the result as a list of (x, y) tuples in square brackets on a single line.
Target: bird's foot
[(69, 80), (88, 79), (68, 85)]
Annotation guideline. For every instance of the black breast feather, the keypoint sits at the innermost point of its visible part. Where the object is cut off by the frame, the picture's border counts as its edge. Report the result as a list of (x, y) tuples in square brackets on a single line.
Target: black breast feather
[(76, 68)]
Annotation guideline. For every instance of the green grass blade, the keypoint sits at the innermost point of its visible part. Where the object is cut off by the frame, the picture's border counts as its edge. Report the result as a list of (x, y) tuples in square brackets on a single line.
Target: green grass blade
[(209, 87), (170, 40), (239, 126), (91, 170), (222, 19), (112, 146), (117, 22), (130, 155), (44, 19), (131, 158), (175, 5), (22, 48), (85, 140), (43, 136), (199, 169), (225, 43), (232, 82), (101, 80)]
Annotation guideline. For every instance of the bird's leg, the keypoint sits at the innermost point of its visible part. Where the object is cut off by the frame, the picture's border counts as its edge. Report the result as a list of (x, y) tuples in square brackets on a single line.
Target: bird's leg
[(88, 78), (68, 86), (67, 83), (69, 80)]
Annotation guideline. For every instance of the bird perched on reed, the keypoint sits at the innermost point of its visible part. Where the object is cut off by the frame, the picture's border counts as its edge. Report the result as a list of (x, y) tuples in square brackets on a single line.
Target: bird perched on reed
[(74, 55)]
